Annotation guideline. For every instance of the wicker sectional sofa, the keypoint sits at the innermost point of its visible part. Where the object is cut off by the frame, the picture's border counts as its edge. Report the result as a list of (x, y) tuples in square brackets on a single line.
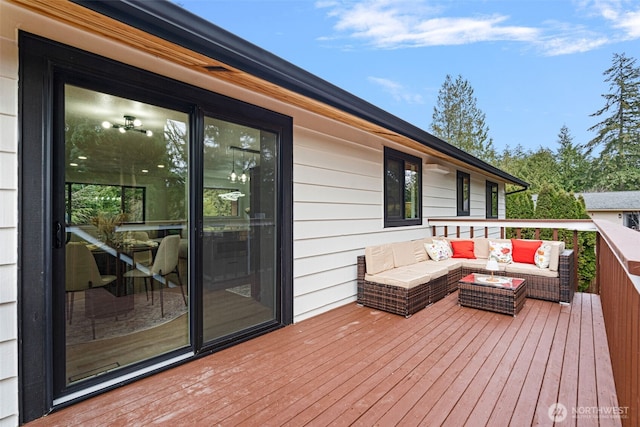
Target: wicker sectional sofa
[(401, 278)]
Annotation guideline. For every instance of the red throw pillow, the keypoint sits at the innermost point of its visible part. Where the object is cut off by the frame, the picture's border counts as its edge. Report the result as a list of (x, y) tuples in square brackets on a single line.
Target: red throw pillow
[(525, 250), (463, 249)]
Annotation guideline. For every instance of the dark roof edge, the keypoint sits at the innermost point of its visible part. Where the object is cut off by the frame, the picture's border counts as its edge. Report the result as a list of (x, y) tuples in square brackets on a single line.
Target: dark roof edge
[(177, 25)]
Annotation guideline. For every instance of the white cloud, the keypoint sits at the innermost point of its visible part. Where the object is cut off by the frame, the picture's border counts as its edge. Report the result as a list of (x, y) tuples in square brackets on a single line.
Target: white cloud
[(565, 46), (629, 23), (618, 13), (394, 24), (397, 91)]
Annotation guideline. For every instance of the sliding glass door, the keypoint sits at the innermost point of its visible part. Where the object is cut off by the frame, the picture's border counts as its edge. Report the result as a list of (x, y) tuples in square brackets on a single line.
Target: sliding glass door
[(156, 223), (126, 280), (239, 211)]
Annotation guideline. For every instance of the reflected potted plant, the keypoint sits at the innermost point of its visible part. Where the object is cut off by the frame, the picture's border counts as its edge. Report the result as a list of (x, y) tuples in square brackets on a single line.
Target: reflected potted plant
[(106, 223)]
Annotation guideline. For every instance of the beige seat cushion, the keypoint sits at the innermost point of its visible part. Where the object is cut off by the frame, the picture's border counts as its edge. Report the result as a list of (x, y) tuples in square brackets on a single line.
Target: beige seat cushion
[(523, 268), (378, 258), (430, 268), (480, 264), (402, 277), (451, 263)]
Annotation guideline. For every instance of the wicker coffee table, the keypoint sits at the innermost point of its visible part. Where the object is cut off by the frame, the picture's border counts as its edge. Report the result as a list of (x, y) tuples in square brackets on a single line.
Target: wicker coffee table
[(502, 295)]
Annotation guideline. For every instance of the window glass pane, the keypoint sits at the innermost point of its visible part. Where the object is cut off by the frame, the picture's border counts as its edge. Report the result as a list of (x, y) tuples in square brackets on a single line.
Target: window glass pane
[(126, 276), (240, 227), (463, 193), (411, 191), (393, 188), (491, 200), (466, 195), (494, 201)]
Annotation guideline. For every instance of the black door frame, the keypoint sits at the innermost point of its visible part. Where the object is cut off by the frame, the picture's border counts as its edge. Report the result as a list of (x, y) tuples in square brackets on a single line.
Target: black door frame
[(42, 64)]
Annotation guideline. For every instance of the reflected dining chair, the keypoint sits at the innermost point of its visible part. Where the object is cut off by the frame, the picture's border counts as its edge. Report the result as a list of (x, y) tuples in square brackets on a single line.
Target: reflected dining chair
[(81, 274), (164, 264), (142, 257)]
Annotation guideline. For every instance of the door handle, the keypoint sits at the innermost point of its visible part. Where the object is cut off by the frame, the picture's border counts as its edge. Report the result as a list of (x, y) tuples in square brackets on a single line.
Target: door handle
[(57, 235)]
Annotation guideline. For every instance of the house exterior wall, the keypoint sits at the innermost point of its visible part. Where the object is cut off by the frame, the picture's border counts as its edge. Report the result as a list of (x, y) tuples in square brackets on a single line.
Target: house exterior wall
[(613, 216), (8, 225), (338, 188)]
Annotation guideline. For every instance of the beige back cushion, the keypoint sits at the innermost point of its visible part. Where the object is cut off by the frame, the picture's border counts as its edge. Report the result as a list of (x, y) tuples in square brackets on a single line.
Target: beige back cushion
[(403, 254), (378, 258), (554, 258), (481, 247), (419, 252)]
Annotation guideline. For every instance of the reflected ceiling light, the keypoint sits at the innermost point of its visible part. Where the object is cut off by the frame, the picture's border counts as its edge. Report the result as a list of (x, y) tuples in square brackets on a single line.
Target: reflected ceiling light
[(233, 175), (243, 177), (160, 166), (130, 124), (233, 196), (145, 170), (73, 164), (82, 157)]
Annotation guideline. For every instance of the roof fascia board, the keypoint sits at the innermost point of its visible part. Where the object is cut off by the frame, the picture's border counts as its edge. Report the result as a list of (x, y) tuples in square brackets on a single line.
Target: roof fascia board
[(176, 25)]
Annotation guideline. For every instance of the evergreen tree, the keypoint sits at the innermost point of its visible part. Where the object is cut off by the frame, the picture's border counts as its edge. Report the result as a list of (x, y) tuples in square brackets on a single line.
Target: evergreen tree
[(458, 120), (619, 131), (537, 168), (520, 206), (573, 164)]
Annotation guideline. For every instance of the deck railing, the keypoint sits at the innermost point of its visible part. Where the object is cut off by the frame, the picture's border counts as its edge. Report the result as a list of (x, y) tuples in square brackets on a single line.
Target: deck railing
[(618, 272), (617, 282)]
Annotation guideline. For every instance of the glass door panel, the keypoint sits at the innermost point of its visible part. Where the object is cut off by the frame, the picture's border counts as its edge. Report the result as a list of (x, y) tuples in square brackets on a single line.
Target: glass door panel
[(126, 256), (239, 235)]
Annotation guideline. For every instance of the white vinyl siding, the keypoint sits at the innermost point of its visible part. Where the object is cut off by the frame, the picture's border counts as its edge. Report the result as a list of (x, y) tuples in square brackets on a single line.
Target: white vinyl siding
[(338, 210), (8, 229)]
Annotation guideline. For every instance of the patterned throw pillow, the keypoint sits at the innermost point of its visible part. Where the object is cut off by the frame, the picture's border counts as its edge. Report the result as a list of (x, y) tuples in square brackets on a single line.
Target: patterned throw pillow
[(438, 250), (445, 244), (543, 255), (501, 251)]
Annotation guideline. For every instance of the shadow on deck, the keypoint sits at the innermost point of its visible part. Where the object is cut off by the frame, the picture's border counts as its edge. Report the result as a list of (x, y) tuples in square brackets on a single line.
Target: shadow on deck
[(357, 366)]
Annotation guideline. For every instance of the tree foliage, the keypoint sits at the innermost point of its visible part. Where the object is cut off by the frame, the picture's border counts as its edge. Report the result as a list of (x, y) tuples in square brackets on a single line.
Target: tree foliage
[(538, 168), (458, 120), (573, 163), (618, 132)]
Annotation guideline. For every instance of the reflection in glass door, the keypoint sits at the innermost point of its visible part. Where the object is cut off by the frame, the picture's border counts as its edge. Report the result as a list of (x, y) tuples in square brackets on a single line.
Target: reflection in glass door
[(126, 250), (239, 235)]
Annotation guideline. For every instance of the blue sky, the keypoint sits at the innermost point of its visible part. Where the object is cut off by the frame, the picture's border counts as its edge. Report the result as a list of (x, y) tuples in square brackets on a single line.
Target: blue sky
[(535, 65)]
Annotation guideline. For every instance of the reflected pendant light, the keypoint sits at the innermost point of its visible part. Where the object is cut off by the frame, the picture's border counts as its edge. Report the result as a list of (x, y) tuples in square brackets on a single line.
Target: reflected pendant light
[(233, 175)]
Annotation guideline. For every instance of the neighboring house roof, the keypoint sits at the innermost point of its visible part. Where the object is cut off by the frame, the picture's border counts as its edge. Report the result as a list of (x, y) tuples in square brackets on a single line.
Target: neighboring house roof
[(176, 25), (612, 201)]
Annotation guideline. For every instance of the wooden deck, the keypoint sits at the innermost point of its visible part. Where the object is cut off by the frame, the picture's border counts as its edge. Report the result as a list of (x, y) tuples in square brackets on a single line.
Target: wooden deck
[(445, 365)]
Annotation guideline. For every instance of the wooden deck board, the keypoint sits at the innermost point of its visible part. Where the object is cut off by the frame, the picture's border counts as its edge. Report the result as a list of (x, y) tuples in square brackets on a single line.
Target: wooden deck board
[(445, 365), (525, 408), (587, 393)]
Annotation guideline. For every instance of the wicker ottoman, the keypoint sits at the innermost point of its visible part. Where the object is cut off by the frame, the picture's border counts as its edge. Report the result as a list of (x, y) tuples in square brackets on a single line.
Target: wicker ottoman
[(502, 295)]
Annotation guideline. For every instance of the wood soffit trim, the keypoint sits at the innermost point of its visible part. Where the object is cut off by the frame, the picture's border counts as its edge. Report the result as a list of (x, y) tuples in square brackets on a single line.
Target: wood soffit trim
[(87, 20)]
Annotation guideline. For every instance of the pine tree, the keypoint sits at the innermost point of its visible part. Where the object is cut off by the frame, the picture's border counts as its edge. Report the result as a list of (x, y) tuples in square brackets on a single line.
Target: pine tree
[(619, 131), (573, 164), (458, 120)]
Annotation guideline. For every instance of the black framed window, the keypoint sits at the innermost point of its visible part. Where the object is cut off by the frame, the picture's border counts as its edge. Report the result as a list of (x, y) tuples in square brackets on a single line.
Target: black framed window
[(402, 189), (463, 194), (85, 201), (492, 199)]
